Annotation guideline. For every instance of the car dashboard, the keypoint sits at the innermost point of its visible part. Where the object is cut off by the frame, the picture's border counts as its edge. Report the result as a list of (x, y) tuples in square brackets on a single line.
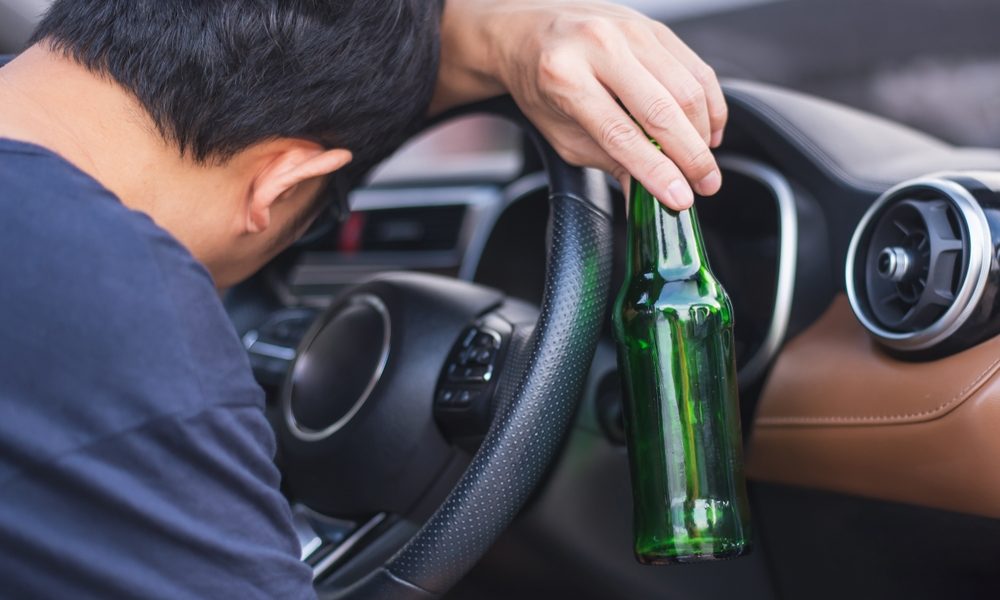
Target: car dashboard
[(468, 200), (490, 228)]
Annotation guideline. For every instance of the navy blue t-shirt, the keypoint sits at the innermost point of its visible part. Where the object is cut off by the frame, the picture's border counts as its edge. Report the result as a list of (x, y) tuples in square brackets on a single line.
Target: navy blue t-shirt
[(135, 458)]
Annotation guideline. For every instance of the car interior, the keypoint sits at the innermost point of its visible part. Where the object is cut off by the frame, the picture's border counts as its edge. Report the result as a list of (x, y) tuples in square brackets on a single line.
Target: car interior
[(442, 379), (869, 427)]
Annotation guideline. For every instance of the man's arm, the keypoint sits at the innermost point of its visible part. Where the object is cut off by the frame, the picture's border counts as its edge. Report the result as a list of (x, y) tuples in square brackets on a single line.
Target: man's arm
[(571, 66)]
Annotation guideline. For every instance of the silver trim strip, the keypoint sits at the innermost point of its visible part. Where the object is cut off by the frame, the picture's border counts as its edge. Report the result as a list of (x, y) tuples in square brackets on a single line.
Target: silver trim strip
[(528, 184), (346, 546), (366, 199), (309, 435), (314, 544), (788, 232), (249, 338), (976, 275), (271, 350)]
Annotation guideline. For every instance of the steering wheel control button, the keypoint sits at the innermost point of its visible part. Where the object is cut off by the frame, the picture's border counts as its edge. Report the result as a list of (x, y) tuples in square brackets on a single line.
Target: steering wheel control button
[(488, 340), (474, 360), (466, 398), (446, 397), (470, 374), (332, 379), (465, 389)]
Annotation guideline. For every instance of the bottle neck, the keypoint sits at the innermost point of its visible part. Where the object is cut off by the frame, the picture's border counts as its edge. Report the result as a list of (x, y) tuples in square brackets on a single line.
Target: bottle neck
[(662, 240)]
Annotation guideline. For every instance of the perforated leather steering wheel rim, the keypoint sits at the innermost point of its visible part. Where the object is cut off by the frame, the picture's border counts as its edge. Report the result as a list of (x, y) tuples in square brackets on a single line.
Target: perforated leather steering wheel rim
[(539, 396)]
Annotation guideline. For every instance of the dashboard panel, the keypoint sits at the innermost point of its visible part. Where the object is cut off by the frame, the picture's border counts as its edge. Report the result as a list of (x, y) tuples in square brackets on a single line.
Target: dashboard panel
[(494, 234)]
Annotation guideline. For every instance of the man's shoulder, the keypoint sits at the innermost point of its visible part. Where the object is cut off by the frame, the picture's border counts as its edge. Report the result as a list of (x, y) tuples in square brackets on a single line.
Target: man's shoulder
[(98, 301), (128, 415), (57, 218), (69, 245), (51, 204)]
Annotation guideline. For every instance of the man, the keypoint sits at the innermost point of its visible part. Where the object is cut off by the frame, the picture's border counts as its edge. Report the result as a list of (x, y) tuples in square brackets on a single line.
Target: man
[(152, 151)]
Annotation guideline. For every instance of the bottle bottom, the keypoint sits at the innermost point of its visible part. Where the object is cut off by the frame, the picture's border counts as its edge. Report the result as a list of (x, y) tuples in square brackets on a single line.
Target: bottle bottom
[(660, 559)]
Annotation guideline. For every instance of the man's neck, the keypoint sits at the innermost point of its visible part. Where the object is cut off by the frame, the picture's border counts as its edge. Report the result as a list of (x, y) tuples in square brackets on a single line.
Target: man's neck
[(53, 102), (50, 100)]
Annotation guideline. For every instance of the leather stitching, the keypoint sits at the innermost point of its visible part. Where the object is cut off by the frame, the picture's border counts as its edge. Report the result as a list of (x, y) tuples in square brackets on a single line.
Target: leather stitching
[(926, 415)]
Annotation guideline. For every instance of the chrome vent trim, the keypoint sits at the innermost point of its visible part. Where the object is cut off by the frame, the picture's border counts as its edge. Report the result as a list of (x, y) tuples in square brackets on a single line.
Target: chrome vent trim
[(976, 276), (788, 245)]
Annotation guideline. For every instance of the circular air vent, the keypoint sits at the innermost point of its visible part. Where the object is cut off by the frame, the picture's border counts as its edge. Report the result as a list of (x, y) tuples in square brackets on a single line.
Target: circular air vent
[(918, 263)]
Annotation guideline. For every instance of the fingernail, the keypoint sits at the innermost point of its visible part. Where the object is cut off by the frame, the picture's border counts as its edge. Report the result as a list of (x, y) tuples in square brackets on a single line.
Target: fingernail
[(710, 184), (716, 139), (680, 194)]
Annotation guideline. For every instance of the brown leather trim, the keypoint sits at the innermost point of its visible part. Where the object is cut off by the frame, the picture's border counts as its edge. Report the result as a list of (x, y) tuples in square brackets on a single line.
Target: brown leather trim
[(834, 374), (838, 413)]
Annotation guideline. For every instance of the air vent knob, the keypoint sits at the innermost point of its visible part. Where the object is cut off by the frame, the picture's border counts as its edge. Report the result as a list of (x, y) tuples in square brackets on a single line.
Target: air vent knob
[(895, 264)]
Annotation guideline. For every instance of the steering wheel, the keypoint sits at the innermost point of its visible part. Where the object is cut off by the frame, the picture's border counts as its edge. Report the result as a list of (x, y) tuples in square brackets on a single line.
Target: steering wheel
[(429, 409)]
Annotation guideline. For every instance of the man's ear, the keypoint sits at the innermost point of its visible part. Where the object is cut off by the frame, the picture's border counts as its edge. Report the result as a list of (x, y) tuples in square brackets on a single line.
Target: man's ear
[(286, 166)]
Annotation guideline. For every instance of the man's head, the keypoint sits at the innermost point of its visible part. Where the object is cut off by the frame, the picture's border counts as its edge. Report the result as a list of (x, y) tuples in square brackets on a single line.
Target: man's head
[(269, 95)]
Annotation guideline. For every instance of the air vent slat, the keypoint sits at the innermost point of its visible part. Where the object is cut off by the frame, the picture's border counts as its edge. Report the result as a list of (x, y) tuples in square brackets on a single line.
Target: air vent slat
[(951, 246)]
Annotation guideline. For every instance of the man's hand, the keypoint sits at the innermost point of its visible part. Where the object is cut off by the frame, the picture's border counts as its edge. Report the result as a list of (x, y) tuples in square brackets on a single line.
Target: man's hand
[(572, 66)]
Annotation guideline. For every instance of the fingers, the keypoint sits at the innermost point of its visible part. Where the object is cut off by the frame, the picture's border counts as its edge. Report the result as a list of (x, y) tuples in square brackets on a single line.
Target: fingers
[(620, 138), (588, 66), (718, 112), (663, 117), (686, 90), (676, 76)]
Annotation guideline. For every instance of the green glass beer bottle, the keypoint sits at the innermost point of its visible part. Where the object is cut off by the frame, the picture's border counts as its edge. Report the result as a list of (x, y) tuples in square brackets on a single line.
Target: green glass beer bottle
[(674, 326)]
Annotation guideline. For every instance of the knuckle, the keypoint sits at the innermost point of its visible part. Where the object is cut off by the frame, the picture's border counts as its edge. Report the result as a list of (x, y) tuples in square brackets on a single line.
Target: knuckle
[(719, 113), (565, 100), (597, 31), (691, 98), (555, 67), (661, 29), (705, 74), (661, 170), (617, 134), (635, 28), (699, 162), (661, 114)]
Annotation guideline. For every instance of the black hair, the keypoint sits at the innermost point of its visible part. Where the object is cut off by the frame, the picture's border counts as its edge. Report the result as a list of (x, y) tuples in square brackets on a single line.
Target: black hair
[(218, 76)]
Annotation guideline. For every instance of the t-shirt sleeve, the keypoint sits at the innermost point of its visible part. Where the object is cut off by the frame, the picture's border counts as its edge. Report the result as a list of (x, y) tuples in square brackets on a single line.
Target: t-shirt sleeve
[(181, 506), (135, 457)]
